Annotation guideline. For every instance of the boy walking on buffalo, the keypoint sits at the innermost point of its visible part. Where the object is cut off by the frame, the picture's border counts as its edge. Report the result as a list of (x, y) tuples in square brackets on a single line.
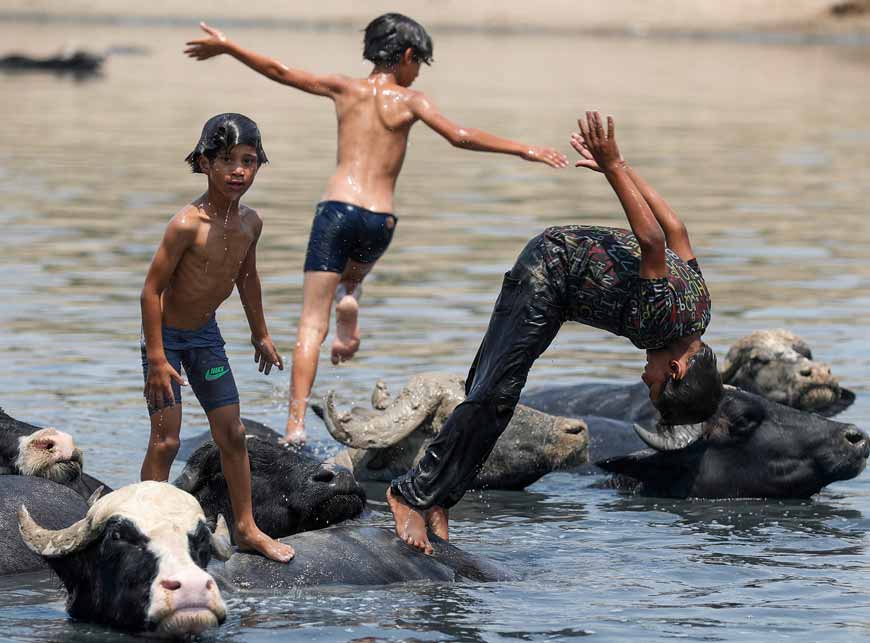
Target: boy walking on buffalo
[(208, 248), (354, 224)]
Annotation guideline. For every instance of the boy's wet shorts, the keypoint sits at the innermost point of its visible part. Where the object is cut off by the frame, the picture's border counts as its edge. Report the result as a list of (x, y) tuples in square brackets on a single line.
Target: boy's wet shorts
[(342, 231), (201, 352)]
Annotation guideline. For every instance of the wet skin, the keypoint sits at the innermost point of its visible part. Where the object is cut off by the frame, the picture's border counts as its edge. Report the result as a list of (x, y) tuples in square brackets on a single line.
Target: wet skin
[(375, 115), (208, 248)]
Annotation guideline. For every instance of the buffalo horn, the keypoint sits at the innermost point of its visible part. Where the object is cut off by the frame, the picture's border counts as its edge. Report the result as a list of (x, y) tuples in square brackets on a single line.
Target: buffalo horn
[(670, 438), (54, 543), (220, 540)]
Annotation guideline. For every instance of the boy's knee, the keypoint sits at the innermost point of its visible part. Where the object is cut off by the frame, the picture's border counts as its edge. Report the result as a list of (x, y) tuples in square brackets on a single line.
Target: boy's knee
[(312, 334), (165, 447), (230, 437)]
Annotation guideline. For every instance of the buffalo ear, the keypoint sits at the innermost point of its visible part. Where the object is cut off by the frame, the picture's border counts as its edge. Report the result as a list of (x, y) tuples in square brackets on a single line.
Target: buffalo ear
[(640, 464)]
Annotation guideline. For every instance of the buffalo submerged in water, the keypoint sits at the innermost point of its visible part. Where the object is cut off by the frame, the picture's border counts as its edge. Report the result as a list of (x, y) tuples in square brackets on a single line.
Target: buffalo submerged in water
[(751, 448)]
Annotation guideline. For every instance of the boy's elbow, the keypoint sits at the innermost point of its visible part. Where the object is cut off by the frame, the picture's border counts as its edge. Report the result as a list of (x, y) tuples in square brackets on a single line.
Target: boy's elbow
[(651, 241)]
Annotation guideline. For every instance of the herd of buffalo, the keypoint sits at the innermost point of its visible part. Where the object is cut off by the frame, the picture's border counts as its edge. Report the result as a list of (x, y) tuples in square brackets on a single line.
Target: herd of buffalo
[(155, 556)]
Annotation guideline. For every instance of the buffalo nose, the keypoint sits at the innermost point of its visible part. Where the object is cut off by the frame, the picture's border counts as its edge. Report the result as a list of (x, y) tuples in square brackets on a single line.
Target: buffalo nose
[(855, 436), (171, 585), (323, 475)]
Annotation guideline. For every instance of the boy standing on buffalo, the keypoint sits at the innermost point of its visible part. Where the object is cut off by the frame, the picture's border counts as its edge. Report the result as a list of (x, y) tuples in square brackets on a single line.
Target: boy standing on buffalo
[(644, 285), (353, 224), (208, 248)]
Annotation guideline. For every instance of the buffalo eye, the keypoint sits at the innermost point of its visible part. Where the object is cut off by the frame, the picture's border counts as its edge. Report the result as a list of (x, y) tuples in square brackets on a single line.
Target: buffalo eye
[(199, 546), (760, 359), (744, 417)]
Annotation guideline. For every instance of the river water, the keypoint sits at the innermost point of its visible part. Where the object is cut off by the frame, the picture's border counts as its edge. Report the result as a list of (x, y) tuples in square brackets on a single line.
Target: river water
[(763, 149)]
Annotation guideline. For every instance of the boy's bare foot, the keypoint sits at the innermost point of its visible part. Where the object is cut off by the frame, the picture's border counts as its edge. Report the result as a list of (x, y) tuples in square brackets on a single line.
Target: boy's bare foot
[(294, 433), (256, 540), (410, 523), (346, 342), (436, 520)]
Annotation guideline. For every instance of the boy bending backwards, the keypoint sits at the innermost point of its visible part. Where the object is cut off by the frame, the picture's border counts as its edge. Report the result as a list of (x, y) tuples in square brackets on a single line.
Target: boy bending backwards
[(208, 248), (353, 225), (644, 285)]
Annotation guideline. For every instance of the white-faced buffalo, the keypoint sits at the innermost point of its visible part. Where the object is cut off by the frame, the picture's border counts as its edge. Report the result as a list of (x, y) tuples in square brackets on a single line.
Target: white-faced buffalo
[(291, 492), (47, 453), (388, 439), (751, 448), (773, 363), (137, 561), (357, 555)]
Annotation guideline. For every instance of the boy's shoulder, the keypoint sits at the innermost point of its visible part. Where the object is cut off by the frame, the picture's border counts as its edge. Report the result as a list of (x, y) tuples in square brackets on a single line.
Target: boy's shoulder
[(187, 219), (250, 217)]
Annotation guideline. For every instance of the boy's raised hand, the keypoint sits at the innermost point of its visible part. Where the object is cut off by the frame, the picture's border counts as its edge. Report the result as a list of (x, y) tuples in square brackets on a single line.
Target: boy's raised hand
[(206, 48), (266, 355), (597, 146), (553, 158)]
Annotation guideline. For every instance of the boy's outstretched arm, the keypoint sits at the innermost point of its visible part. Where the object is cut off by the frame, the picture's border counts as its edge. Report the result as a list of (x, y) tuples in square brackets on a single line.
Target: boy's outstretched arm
[(602, 147), (251, 294), (676, 235), (179, 235), (217, 43), (478, 140)]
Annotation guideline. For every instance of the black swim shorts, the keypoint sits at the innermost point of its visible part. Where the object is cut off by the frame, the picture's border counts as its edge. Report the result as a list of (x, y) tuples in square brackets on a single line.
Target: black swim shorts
[(201, 352), (343, 231)]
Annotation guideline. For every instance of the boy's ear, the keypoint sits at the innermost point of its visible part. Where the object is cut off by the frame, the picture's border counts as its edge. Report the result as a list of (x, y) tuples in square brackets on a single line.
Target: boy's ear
[(408, 56), (678, 369), (203, 163)]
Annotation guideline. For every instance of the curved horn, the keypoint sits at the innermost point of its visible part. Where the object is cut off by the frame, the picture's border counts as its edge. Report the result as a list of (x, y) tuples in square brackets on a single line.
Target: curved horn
[(220, 540), (365, 429), (96, 495), (670, 438), (54, 543)]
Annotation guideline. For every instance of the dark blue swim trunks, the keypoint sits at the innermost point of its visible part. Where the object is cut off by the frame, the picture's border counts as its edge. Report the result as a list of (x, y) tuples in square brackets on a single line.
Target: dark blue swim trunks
[(201, 352), (343, 231)]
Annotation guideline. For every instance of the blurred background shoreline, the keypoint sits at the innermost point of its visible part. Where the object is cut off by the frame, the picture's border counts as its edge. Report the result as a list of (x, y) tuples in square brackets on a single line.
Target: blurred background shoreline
[(797, 21)]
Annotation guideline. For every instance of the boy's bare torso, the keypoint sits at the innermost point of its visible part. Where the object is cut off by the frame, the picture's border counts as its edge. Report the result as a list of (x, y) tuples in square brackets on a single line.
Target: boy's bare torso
[(374, 119), (208, 270)]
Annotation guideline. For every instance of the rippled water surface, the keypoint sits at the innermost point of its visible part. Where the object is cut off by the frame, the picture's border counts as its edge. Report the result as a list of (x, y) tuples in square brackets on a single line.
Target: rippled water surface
[(765, 151)]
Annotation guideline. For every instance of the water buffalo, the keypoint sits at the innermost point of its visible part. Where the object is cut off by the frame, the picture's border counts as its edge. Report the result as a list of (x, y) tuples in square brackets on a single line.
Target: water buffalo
[(136, 561), (751, 448), (52, 504), (77, 62), (357, 555), (387, 440), (47, 453), (773, 363), (291, 491)]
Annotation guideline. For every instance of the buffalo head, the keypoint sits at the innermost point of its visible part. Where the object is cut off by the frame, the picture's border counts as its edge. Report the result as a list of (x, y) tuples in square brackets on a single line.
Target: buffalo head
[(291, 491), (751, 447), (137, 560), (388, 439), (779, 365)]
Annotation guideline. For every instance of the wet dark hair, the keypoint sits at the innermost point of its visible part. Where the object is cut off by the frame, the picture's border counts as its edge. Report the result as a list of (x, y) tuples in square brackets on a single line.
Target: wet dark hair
[(388, 36), (222, 133), (696, 397)]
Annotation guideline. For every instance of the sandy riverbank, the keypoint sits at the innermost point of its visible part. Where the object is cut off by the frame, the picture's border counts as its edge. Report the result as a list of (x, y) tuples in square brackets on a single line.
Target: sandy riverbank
[(799, 18)]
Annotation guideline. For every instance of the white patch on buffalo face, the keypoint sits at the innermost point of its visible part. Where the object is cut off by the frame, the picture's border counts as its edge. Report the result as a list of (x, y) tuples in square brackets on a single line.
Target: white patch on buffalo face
[(184, 598), (48, 453)]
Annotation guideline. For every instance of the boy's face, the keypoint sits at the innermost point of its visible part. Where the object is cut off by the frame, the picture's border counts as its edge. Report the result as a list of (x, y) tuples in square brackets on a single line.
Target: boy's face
[(231, 172)]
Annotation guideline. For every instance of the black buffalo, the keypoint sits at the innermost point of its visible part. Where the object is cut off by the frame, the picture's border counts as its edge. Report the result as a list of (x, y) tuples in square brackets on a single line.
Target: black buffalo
[(751, 447), (291, 491), (52, 505)]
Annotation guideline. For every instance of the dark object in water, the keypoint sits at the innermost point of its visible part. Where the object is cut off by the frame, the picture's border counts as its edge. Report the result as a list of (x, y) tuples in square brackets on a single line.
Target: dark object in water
[(77, 61)]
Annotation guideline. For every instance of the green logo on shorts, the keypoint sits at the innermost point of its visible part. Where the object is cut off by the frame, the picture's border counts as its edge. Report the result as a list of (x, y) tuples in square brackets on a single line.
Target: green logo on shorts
[(215, 373)]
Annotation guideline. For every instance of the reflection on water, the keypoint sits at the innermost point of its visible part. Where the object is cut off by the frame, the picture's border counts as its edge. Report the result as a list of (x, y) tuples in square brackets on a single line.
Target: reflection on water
[(765, 151)]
